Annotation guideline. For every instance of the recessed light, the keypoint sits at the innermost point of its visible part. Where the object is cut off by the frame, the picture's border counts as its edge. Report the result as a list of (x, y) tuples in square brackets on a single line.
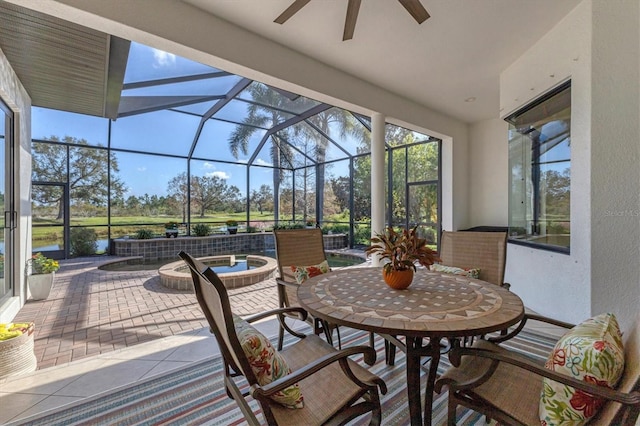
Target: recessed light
[(471, 99)]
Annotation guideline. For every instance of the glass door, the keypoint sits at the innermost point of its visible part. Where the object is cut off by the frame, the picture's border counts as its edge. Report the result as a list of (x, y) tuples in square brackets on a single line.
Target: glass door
[(423, 210), (8, 218), (50, 218)]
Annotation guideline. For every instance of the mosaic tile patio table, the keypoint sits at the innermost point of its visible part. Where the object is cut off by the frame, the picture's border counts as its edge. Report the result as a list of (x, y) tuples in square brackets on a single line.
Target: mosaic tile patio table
[(435, 306)]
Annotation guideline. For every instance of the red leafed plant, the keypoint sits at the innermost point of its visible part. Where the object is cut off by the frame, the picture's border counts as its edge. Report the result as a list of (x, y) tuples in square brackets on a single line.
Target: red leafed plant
[(402, 248)]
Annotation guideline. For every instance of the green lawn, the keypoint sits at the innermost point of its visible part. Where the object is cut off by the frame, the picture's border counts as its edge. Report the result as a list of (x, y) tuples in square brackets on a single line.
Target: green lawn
[(128, 225)]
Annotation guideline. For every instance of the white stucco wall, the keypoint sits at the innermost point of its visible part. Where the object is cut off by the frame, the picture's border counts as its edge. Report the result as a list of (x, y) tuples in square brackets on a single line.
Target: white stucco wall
[(601, 273), (15, 96), (554, 284), (615, 160), (488, 173)]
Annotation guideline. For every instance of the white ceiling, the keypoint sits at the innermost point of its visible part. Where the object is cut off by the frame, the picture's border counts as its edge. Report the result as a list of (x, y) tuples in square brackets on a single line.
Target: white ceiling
[(455, 55)]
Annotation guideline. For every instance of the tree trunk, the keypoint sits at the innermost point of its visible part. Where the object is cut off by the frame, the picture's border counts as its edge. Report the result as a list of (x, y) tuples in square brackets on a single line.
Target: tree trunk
[(60, 210)]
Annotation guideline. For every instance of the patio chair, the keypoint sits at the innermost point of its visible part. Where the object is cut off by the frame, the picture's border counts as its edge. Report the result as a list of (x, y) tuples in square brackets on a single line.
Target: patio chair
[(334, 388), (507, 386), (298, 248), (486, 251)]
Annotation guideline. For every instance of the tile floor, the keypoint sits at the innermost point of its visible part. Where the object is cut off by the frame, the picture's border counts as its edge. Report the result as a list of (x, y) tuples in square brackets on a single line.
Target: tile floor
[(92, 311)]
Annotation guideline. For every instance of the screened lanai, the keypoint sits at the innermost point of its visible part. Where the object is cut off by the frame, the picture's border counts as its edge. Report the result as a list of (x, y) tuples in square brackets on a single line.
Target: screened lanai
[(192, 146)]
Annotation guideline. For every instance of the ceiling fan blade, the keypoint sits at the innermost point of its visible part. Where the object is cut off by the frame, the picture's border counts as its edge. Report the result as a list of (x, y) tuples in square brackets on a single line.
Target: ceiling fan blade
[(350, 22), (290, 11), (415, 8)]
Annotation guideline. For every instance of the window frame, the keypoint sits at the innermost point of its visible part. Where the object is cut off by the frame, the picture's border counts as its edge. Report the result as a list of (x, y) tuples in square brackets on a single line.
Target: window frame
[(535, 176)]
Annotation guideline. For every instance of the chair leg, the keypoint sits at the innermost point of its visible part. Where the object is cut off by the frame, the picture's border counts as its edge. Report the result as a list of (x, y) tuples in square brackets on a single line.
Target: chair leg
[(327, 332), (372, 342), (280, 331), (389, 352), (376, 413), (280, 337), (451, 411)]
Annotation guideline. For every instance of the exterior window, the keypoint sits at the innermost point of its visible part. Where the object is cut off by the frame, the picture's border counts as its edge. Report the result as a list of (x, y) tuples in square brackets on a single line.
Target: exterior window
[(540, 172)]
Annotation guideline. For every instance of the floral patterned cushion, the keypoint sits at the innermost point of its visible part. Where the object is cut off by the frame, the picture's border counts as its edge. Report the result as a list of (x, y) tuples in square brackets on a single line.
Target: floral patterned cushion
[(267, 363), (303, 273), (591, 351), (467, 272)]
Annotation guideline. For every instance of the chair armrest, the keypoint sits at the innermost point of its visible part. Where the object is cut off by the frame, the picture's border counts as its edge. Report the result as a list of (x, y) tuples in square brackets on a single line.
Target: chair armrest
[(520, 361), (278, 311), (521, 324), (284, 283), (340, 356)]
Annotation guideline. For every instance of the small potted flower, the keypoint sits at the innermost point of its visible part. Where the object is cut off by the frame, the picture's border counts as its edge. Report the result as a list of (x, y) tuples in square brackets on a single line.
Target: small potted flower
[(310, 223), (402, 249), (43, 270), (171, 229), (232, 226)]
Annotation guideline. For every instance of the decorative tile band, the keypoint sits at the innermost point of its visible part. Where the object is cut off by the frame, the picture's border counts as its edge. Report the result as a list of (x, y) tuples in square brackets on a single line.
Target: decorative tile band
[(156, 249)]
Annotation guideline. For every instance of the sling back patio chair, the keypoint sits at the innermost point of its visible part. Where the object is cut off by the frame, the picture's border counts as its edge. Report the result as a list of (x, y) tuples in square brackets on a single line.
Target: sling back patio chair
[(324, 385), (298, 248), (507, 386), (486, 251)]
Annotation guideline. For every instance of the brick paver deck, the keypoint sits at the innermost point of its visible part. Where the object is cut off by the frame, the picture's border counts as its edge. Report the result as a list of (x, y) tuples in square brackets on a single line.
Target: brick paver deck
[(92, 311)]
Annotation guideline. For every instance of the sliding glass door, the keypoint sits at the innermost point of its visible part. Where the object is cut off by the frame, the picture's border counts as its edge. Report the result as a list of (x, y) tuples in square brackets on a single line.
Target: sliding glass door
[(8, 218)]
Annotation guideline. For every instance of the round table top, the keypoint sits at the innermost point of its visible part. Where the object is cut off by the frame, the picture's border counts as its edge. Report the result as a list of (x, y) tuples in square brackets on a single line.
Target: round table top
[(436, 304)]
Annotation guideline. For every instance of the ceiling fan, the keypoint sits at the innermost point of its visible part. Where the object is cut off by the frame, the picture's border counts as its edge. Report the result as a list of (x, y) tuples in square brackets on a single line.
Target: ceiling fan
[(414, 7)]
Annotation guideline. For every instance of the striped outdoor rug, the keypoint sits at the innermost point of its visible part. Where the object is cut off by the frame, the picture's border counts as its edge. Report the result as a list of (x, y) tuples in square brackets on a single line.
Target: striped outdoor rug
[(196, 395)]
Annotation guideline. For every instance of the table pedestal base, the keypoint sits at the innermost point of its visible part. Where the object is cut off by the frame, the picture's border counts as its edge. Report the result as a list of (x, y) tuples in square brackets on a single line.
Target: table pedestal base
[(415, 350)]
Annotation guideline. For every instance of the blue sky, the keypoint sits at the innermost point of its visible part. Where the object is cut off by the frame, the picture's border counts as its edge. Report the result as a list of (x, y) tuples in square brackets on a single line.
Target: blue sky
[(173, 133), (161, 132)]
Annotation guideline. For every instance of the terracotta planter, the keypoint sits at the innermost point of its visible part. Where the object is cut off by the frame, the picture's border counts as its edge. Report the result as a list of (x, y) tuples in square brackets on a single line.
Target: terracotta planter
[(398, 280), (40, 285)]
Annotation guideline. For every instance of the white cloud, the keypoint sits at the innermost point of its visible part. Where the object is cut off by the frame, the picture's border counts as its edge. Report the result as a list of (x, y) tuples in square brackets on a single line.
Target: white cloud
[(261, 162), (207, 165), (162, 59), (141, 169), (220, 174)]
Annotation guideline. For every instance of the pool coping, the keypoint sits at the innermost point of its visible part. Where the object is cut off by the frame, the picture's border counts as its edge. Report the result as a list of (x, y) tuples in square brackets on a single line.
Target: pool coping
[(175, 275)]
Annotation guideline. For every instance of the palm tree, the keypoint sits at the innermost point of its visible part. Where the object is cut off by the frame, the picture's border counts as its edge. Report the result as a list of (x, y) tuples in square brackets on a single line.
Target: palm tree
[(267, 112), (323, 121), (264, 114)]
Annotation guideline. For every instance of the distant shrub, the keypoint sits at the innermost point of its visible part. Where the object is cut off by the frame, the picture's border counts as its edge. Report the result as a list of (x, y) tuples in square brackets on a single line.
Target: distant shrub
[(144, 234), (201, 230), (84, 242), (251, 229), (429, 235), (288, 225), (362, 234), (336, 228)]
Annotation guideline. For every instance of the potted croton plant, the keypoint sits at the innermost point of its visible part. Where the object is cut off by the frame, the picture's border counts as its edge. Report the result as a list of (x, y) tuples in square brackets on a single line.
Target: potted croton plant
[(43, 270), (402, 250)]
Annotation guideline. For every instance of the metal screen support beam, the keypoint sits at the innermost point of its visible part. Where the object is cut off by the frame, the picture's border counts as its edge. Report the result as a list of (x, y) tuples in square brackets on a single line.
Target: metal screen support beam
[(231, 94), (290, 122)]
